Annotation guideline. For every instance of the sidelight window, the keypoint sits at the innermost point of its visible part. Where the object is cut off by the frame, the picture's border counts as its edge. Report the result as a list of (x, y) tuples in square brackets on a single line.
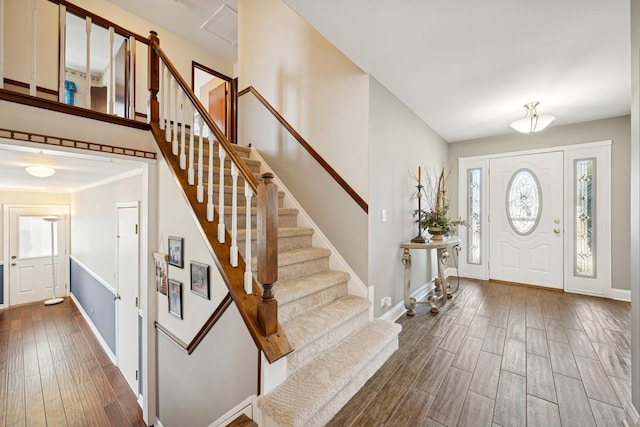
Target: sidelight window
[(474, 203), (584, 257)]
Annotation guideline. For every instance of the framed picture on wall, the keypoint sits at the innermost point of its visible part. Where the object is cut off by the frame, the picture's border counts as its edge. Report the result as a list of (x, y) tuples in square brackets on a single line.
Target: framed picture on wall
[(200, 279), (175, 298), (176, 251), (161, 272)]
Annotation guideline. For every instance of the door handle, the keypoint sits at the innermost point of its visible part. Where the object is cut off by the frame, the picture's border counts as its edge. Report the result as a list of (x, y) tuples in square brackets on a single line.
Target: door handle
[(117, 297), (556, 230), (14, 263)]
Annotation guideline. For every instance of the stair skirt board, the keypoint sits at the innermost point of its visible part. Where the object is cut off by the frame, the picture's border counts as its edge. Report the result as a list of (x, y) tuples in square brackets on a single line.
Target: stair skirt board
[(315, 393)]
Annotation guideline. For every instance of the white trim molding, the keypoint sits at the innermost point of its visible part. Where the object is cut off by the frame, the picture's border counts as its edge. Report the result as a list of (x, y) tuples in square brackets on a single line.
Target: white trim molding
[(632, 417), (398, 310), (246, 407), (94, 275)]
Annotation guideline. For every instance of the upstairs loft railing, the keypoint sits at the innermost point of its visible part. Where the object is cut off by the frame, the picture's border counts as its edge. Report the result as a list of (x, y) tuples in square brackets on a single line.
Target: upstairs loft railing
[(185, 131), (73, 57)]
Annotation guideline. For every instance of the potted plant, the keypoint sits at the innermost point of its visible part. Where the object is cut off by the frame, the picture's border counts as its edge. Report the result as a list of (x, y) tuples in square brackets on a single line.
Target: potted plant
[(434, 218)]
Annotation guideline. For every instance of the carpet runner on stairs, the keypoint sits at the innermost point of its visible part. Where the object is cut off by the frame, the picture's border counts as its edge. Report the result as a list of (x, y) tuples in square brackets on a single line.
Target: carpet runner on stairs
[(336, 347)]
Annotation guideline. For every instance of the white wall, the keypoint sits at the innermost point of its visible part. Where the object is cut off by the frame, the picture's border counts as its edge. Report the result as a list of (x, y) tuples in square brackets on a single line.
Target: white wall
[(635, 207), (616, 129), (391, 188), (93, 224), (317, 89)]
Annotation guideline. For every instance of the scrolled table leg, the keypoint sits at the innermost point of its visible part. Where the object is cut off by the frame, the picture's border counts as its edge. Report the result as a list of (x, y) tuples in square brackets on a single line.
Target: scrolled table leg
[(409, 303)]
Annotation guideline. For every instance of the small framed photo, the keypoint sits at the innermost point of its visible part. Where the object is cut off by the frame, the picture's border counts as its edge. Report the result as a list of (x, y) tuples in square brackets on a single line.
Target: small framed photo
[(176, 251), (161, 272), (175, 298), (200, 279)]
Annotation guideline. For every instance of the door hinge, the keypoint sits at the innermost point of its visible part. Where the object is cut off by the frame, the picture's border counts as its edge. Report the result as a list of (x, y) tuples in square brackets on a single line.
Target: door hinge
[(136, 375), (136, 228), (136, 301)]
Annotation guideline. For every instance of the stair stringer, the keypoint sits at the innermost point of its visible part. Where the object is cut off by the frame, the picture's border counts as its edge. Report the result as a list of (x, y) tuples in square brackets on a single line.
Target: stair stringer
[(355, 285)]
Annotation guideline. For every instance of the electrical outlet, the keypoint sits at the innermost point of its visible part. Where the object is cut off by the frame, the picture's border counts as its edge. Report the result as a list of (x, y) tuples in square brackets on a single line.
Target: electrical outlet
[(385, 302)]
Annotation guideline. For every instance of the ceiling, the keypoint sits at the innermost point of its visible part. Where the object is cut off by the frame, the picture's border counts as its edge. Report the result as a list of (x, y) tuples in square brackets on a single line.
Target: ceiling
[(73, 171)]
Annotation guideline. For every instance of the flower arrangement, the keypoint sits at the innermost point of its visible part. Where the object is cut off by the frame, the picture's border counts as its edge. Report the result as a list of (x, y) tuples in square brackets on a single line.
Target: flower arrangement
[(434, 218)]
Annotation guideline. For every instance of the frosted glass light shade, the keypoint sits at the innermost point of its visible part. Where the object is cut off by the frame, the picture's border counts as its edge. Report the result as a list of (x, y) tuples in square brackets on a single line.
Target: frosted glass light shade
[(532, 122), (40, 171)]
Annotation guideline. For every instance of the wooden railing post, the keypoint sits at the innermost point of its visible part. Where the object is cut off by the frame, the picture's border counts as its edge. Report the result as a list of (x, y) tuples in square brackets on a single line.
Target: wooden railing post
[(154, 78), (267, 244)]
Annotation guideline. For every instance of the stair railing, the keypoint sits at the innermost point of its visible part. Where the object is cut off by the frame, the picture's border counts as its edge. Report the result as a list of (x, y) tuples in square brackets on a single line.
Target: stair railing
[(174, 111)]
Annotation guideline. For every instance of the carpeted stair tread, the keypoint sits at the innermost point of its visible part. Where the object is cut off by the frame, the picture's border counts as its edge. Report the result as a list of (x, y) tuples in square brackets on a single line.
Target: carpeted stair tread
[(309, 326), (291, 290), (283, 232), (295, 402), (298, 255)]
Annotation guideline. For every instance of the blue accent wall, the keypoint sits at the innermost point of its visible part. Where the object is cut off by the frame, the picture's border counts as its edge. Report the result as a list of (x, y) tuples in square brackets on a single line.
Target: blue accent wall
[(97, 301), (1, 283)]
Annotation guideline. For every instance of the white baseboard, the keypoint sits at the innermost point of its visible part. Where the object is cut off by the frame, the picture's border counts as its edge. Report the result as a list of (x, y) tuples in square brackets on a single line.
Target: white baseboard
[(620, 294), (158, 423), (102, 342), (399, 309), (245, 407), (632, 417)]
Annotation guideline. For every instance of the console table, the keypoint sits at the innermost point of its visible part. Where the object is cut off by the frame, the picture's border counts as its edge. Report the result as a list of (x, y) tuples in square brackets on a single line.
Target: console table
[(443, 248)]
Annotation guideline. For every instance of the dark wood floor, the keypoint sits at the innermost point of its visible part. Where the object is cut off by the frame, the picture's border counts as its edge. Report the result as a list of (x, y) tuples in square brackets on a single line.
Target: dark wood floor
[(53, 372), (503, 355)]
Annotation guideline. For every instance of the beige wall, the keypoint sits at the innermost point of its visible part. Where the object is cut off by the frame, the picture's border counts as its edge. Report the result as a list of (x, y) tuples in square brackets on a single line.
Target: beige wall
[(10, 197), (325, 97), (317, 89), (391, 188), (616, 129)]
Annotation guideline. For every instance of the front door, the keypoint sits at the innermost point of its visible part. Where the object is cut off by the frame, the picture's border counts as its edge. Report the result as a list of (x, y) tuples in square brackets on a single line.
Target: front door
[(127, 249), (30, 273), (218, 106), (526, 230)]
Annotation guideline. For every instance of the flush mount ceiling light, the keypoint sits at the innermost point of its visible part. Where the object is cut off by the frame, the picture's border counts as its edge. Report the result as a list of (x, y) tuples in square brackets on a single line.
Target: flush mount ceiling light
[(532, 122), (40, 171)]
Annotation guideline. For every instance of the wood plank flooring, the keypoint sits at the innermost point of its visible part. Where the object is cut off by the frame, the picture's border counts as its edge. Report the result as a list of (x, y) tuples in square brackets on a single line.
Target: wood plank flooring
[(503, 355), (53, 372)]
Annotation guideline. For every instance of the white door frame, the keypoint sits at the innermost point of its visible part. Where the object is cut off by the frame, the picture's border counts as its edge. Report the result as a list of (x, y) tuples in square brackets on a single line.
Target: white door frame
[(66, 209), (601, 150)]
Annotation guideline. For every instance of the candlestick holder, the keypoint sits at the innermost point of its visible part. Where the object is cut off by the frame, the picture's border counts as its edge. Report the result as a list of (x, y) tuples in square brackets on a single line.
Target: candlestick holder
[(419, 238)]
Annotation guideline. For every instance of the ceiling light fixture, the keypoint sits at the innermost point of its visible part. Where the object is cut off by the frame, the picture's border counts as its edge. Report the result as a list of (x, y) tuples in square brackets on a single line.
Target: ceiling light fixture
[(532, 122), (40, 171)]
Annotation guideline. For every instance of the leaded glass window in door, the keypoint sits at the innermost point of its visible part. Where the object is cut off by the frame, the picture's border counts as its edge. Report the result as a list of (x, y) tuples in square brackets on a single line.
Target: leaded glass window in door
[(523, 202), (474, 204), (584, 217)]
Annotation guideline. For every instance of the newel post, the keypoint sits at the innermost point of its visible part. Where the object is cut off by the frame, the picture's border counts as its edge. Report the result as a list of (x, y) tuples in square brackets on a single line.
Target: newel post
[(154, 78), (267, 253)]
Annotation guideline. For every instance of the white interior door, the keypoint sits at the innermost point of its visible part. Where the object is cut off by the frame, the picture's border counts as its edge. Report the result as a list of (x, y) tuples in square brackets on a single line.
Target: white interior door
[(526, 230), (30, 266), (127, 259)]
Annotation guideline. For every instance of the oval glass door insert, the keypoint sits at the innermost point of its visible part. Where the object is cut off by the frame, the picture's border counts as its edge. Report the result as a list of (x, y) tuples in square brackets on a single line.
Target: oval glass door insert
[(524, 201)]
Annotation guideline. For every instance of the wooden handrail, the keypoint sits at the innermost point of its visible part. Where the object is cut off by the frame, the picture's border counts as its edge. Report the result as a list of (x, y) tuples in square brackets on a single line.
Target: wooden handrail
[(193, 344), (219, 135), (327, 167), (7, 95)]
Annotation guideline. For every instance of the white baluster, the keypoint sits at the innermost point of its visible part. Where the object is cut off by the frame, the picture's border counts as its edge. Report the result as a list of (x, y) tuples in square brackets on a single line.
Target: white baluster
[(62, 24), (183, 133), (167, 104), (87, 68), (131, 82), (112, 81), (233, 257), (221, 229), (174, 117), (161, 98), (248, 276), (200, 188), (192, 122), (34, 43), (210, 182)]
